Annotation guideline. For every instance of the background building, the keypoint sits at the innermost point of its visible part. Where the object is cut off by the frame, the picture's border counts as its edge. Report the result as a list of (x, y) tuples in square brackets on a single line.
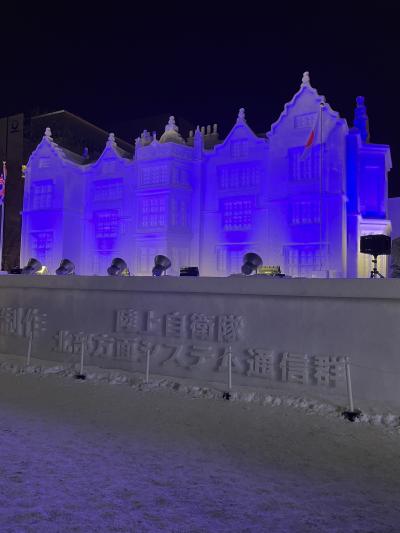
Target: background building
[(206, 201), (19, 136)]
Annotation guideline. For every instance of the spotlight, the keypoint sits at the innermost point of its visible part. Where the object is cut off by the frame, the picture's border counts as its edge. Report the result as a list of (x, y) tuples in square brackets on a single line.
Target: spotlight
[(33, 267), (118, 268), (251, 262), (161, 264), (375, 245), (66, 268)]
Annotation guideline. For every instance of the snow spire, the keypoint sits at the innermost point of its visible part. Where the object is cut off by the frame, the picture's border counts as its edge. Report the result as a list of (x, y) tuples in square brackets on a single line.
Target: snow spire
[(111, 141), (171, 126), (198, 143), (241, 116), (361, 121), (305, 81), (47, 134)]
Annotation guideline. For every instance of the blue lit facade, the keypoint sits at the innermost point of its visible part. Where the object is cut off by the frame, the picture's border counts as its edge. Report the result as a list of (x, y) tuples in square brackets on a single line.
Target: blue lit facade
[(205, 201)]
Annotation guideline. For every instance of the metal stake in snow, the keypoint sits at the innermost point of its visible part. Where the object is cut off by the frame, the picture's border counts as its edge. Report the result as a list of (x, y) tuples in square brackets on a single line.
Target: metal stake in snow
[(147, 365), (227, 395), (29, 353), (81, 375), (351, 414), (229, 367)]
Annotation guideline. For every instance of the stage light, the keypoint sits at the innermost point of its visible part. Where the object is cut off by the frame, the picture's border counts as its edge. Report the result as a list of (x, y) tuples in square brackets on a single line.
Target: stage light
[(118, 268), (189, 271), (251, 262), (66, 268), (375, 245), (33, 267), (161, 264)]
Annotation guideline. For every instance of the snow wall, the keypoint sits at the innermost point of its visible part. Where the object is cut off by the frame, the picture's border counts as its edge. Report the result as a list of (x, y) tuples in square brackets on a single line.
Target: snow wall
[(293, 333)]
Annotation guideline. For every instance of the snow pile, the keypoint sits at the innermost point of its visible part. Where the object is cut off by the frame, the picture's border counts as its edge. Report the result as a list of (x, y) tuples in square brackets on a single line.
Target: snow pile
[(15, 365)]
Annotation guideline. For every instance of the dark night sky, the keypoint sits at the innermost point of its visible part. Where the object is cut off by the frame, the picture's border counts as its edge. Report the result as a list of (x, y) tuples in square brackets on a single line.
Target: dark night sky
[(203, 62)]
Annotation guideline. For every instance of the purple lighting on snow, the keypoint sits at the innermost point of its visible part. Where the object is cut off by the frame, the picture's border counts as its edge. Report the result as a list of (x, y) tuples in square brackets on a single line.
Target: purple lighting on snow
[(207, 202)]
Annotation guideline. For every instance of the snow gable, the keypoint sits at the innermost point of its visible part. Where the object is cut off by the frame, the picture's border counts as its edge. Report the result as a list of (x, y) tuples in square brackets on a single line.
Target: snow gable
[(300, 116), (240, 140)]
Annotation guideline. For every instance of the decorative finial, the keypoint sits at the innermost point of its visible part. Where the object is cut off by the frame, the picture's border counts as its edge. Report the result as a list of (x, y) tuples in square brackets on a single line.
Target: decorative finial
[(241, 115), (171, 126), (361, 121), (197, 131), (154, 135), (306, 79), (111, 140), (47, 134)]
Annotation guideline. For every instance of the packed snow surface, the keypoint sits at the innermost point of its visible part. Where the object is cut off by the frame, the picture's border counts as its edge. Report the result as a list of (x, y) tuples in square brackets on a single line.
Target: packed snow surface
[(113, 454)]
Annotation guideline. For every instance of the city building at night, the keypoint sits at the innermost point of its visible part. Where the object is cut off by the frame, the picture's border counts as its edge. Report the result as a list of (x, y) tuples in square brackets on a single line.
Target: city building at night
[(300, 196)]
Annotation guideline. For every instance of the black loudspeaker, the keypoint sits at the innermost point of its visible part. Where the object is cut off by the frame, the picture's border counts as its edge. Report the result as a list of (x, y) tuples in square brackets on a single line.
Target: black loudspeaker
[(189, 271), (375, 245)]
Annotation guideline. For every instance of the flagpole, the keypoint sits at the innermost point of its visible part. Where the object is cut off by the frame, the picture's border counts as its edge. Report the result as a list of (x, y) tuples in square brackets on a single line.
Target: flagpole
[(4, 175), (320, 185)]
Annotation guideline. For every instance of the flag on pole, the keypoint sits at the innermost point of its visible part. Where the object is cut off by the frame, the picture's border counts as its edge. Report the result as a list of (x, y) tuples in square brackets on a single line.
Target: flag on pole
[(313, 135), (3, 177)]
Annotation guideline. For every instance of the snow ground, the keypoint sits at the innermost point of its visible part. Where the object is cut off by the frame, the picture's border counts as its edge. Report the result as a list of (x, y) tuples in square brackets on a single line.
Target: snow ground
[(81, 456)]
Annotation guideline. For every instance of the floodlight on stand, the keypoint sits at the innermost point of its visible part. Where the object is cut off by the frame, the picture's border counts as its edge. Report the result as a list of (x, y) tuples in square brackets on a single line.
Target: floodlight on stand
[(251, 262), (33, 267), (375, 245), (118, 268), (66, 268), (161, 265)]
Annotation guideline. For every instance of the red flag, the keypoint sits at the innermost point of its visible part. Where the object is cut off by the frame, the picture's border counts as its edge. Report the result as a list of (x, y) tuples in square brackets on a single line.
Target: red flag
[(314, 134)]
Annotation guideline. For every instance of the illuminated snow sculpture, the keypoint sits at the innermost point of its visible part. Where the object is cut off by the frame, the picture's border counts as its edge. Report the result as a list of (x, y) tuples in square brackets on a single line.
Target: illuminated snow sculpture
[(207, 202)]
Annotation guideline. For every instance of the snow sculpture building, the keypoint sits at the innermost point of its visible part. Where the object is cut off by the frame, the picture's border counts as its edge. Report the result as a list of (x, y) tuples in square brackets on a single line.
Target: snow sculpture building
[(300, 196)]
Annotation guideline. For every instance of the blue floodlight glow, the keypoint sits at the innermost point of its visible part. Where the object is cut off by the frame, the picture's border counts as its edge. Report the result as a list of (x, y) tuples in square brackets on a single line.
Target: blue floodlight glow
[(208, 202)]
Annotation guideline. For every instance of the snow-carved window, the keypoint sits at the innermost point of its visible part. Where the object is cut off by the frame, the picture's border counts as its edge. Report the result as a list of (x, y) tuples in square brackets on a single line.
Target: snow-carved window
[(152, 212), (238, 176), (107, 189), (44, 162), (235, 260), (180, 176), (43, 244), (237, 214), (179, 216), (305, 212), (307, 169), (42, 194), (306, 120), (107, 223), (303, 260), (154, 175), (239, 148)]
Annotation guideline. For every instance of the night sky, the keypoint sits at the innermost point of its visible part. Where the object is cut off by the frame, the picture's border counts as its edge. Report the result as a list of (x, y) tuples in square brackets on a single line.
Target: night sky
[(202, 62)]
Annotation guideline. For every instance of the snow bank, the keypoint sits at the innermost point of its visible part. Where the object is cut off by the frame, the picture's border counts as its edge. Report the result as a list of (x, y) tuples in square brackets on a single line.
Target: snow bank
[(16, 365)]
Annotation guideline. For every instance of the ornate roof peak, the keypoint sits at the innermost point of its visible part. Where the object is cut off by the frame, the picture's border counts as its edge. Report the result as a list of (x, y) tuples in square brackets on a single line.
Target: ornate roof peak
[(241, 116), (171, 133), (305, 81), (47, 134), (171, 126)]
